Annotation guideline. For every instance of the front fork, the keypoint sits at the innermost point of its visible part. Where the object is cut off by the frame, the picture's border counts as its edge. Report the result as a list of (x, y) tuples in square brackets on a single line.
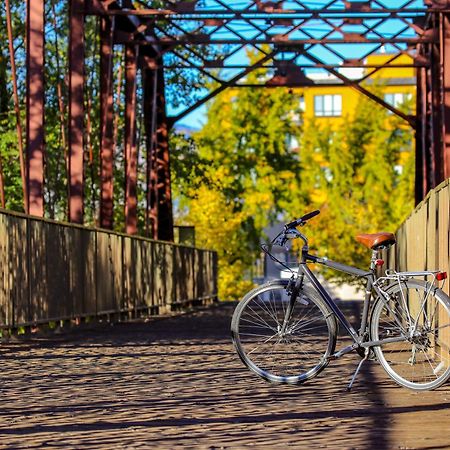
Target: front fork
[(294, 289)]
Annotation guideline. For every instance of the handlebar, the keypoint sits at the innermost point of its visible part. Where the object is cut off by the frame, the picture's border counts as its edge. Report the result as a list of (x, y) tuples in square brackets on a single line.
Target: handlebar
[(290, 231), (302, 220)]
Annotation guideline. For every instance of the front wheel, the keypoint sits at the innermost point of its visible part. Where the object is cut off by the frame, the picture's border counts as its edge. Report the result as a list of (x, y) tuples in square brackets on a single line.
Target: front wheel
[(292, 353), (421, 316)]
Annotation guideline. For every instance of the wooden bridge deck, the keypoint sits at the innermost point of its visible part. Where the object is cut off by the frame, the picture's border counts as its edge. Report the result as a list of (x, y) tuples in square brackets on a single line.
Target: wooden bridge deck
[(177, 383)]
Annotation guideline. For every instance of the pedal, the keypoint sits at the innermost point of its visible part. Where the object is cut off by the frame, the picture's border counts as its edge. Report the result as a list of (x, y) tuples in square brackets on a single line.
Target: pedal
[(358, 368)]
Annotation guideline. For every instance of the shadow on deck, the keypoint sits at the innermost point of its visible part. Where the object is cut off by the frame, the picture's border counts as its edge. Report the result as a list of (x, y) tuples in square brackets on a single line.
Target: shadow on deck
[(176, 382)]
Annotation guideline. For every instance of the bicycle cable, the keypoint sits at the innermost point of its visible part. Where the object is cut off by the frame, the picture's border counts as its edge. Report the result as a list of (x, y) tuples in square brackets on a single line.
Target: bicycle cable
[(265, 249)]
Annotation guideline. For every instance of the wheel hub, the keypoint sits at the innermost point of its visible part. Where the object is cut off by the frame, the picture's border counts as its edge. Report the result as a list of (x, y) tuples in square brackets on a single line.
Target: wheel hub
[(422, 341)]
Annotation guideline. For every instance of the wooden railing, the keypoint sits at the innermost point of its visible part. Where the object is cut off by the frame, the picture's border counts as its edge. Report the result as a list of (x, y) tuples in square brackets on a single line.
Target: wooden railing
[(423, 239), (51, 271)]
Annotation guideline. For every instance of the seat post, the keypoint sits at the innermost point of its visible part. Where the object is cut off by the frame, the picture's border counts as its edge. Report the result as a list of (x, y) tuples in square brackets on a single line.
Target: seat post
[(374, 259)]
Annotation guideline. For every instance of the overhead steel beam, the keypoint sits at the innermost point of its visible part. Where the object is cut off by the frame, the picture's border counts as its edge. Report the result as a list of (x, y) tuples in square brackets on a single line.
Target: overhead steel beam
[(235, 13), (199, 40), (362, 65), (35, 107), (223, 86), (76, 111)]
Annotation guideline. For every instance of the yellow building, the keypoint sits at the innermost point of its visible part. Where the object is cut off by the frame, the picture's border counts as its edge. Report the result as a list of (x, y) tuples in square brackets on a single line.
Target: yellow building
[(330, 101)]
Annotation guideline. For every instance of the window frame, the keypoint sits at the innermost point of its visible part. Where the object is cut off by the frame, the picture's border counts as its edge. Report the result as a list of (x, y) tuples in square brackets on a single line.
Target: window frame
[(328, 105)]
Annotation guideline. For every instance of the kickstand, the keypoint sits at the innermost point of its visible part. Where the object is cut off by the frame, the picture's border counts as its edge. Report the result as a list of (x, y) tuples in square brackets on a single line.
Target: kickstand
[(366, 355)]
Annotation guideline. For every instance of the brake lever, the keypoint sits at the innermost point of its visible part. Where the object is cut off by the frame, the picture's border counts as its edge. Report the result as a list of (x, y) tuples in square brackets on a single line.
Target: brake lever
[(280, 240), (291, 233)]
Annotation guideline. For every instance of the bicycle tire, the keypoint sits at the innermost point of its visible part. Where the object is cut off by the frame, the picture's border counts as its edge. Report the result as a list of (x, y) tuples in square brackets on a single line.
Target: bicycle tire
[(422, 361), (299, 355)]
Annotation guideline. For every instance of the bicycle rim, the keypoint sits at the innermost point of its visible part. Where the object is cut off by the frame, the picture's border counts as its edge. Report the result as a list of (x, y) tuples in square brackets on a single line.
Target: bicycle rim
[(291, 357), (422, 316)]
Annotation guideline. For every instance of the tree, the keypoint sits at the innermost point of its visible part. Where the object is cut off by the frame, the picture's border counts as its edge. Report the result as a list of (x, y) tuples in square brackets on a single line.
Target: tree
[(239, 175), (361, 178)]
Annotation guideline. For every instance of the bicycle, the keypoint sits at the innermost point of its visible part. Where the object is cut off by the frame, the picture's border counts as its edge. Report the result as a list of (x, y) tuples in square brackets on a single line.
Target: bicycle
[(285, 331)]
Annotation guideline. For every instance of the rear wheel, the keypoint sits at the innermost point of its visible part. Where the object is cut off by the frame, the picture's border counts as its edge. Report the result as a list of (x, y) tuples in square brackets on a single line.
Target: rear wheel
[(422, 317), (291, 356)]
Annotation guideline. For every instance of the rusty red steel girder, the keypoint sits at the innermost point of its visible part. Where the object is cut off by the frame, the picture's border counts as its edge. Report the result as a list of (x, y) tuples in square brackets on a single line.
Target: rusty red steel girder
[(76, 111), (131, 162), (23, 170), (106, 122), (186, 35), (433, 105), (35, 107), (187, 26), (159, 220)]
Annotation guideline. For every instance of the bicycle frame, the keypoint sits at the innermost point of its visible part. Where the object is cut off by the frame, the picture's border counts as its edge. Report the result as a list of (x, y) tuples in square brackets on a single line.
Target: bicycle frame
[(357, 336)]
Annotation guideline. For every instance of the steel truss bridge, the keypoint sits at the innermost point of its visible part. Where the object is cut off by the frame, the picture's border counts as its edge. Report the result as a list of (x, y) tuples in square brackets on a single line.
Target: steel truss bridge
[(207, 40)]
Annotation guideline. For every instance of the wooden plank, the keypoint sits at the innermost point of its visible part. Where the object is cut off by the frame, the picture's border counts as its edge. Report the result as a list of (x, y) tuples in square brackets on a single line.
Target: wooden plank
[(89, 238), (215, 272), (6, 304), (162, 274), (147, 294), (200, 285), (432, 255), (190, 256), (443, 261), (54, 296), (105, 273), (443, 236), (402, 247), (158, 273), (130, 274), (117, 269), (18, 283), (179, 274), (183, 270), (416, 240), (38, 271), (170, 291), (81, 248), (422, 225)]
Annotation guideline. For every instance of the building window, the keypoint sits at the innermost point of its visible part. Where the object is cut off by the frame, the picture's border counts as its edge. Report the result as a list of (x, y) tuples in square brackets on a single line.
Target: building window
[(397, 99), (302, 104), (328, 105)]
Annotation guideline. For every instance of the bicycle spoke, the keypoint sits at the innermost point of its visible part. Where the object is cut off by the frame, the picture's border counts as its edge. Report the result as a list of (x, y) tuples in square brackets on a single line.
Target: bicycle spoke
[(285, 355), (421, 361)]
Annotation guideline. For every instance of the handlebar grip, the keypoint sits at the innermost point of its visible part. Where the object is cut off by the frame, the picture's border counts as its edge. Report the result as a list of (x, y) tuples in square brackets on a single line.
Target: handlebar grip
[(310, 215), (296, 223)]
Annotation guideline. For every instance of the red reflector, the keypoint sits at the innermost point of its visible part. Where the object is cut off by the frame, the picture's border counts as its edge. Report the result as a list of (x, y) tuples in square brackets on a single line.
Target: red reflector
[(379, 262), (441, 276)]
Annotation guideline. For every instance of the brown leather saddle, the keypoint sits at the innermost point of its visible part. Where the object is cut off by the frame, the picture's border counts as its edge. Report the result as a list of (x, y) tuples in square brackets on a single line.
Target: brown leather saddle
[(376, 241)]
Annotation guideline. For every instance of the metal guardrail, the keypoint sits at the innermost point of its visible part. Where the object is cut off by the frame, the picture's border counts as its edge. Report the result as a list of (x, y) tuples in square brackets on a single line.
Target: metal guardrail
[(423, 239), (52, 271)]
